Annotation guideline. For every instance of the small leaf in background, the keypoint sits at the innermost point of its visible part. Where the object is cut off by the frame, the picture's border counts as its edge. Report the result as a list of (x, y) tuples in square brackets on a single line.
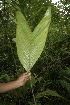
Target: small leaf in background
[(30, 44), (5, 78), (14, 39), (65, 85), (48, 92)]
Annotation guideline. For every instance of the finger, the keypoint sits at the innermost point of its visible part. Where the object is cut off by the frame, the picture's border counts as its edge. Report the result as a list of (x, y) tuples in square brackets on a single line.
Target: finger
[(27, 73), (27, 77), (24, 74)]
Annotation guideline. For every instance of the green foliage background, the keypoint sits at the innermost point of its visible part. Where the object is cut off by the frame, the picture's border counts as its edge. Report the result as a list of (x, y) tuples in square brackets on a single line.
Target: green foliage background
[(51, 73)]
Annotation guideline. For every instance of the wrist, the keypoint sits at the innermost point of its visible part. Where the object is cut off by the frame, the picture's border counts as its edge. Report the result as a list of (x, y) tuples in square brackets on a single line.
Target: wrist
[(17, 83)]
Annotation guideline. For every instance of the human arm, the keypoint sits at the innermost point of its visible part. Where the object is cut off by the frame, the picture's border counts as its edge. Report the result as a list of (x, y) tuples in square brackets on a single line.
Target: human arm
[(15, 84)]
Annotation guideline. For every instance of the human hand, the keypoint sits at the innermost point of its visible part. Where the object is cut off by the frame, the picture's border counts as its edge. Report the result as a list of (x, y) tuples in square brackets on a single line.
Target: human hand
[(23, 79)]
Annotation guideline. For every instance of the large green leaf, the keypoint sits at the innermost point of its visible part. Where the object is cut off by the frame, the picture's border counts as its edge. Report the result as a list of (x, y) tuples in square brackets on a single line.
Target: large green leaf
[(30, 44)]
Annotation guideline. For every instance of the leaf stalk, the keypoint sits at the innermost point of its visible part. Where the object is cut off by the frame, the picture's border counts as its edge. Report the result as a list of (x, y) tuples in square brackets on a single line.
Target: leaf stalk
[(32, 90)]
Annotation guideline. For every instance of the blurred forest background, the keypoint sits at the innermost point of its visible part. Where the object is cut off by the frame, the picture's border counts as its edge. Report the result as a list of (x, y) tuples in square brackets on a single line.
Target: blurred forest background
[(51, 73)]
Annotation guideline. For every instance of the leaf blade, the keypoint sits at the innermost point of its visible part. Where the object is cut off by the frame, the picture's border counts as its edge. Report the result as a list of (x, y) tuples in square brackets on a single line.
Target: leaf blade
[(30, 44), (48, 92), (23, 34), (39, 37)]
